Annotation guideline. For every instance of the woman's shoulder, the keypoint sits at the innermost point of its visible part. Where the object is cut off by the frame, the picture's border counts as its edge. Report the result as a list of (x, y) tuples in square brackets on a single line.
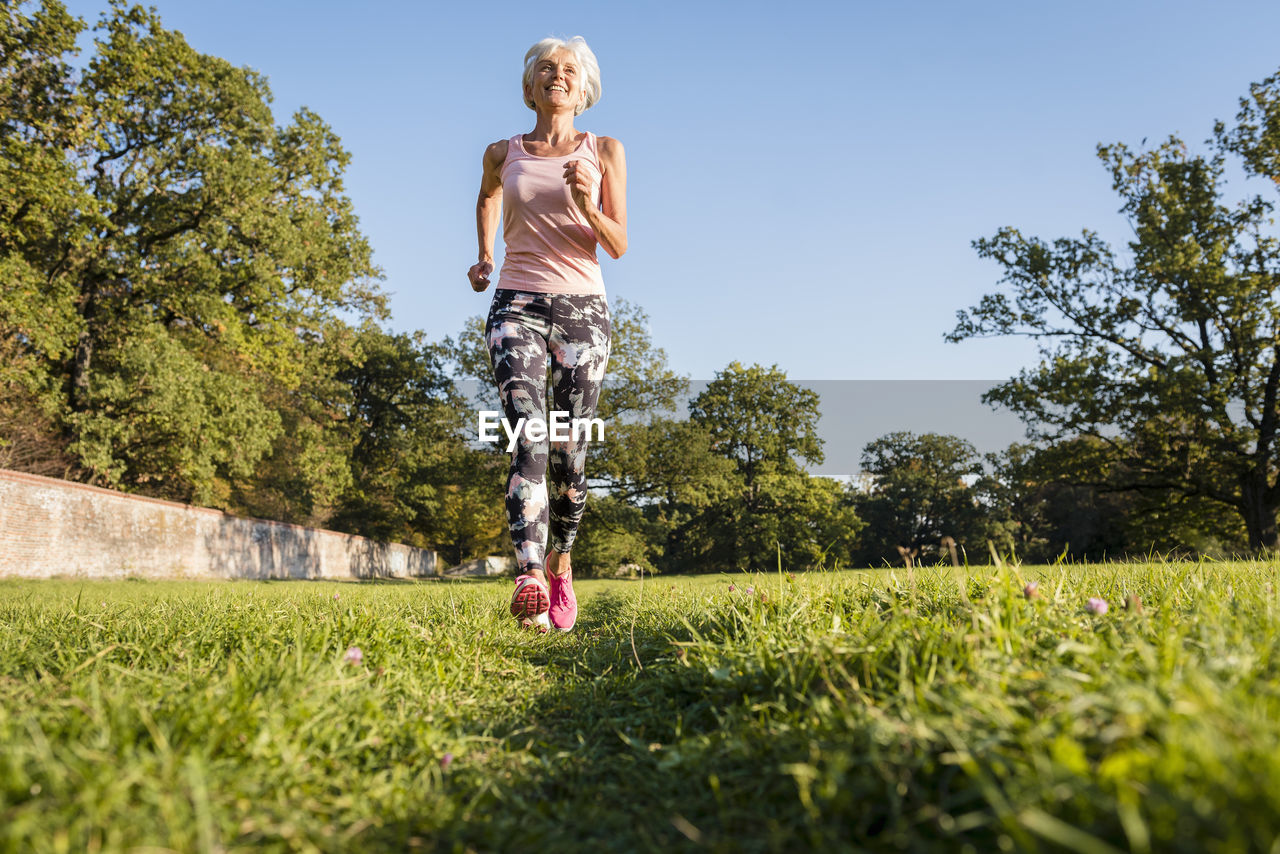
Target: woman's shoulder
[(610, 149), (496, 152)]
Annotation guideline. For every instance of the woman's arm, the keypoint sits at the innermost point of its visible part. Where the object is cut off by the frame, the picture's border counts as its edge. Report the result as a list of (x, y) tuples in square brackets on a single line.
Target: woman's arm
[(609, 220), (488, 212)]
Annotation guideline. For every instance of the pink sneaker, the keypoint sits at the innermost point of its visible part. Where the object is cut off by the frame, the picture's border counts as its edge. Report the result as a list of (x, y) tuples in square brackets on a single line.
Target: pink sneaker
[(564, 605), (529, 603)]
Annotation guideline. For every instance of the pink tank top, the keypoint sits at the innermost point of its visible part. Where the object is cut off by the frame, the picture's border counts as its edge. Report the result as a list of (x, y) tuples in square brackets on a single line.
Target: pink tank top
[(550, 246)]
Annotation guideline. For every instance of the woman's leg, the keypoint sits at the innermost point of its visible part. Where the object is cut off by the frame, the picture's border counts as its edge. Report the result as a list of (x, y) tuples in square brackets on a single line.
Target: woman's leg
[(579, 348), (516, 336), (578, 345)]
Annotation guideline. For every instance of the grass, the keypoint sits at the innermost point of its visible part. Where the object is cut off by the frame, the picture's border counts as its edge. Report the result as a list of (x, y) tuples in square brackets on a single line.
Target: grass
[(833, 711)]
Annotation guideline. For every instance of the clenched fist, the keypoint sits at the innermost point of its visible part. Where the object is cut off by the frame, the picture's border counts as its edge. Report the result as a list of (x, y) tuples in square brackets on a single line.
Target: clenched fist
[(478, 276), (581, 184)]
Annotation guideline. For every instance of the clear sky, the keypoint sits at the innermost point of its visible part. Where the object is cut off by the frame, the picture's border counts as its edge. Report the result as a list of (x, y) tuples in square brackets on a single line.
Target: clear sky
[(805, 177)]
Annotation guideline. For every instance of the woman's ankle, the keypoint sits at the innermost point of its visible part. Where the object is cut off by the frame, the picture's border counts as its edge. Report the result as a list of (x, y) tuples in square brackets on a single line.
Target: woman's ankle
[(558, 563)]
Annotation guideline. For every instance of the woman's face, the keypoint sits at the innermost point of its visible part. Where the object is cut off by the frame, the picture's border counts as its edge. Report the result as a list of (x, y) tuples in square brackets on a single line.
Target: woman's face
[(557, 82)]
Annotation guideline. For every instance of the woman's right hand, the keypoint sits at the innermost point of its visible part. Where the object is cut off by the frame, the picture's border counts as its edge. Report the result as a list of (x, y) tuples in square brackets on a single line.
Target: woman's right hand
[(478, 275)]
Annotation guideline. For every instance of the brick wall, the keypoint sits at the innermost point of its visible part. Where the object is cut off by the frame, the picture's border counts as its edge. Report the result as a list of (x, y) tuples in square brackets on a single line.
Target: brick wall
[(52, 527)]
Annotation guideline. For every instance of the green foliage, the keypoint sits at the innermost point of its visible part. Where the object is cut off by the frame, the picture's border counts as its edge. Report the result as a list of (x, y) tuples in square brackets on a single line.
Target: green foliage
[(617, 538), (408, 424), (639, 384), (1174, 349), (658, 474), (39, 196), (918, 711), (472, 520), (769, 509), (174, 254), (922, 491), (1069, 500), (167, 420), (759, 420), (308, 467)]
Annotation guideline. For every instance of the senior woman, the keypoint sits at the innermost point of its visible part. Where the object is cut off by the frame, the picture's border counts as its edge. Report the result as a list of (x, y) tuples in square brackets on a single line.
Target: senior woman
[(559, 192)]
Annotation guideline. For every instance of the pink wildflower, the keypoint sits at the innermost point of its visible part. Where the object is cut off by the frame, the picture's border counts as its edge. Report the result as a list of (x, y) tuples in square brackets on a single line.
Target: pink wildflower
[(1096, 605), (732, 588), (446, 760), (750, 590), (1031, 590), (335, 597), (354, 655)]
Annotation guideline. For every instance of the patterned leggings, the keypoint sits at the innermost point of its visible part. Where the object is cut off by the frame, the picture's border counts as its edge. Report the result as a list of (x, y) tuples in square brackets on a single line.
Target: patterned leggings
[(522, 329)]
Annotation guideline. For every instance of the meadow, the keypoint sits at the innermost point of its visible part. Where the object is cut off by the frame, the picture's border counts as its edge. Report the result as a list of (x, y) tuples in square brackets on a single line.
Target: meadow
[(920, 711)]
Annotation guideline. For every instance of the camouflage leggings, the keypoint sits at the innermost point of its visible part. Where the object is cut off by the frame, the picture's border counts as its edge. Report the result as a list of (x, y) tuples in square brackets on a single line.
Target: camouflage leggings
[(522, 329)]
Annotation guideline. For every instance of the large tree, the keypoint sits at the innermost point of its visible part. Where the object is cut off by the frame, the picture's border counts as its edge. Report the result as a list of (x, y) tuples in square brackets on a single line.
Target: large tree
[(167, 310), (922, 492), (42, 207), (1169, 355), (1068, 500), (408, 424), (767, 427)]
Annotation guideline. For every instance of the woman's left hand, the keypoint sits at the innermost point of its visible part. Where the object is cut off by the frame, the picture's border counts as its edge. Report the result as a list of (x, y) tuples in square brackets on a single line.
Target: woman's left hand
[(581, 184)]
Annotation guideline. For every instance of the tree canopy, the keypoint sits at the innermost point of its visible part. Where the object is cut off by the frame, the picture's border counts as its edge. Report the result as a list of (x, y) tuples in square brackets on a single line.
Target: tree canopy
[(922, 492), (178, 260), (767, 427), (1169, 355)]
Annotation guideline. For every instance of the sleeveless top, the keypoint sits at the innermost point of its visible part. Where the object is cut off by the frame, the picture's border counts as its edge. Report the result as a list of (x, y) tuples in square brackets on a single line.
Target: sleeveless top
[(550, 246)]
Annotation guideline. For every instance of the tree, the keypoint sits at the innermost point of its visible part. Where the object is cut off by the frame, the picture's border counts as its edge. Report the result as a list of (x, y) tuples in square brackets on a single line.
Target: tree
[(760, 420), (922, 491), (407, 425), (39, 200), (1170, 358), (1045, 512), (308, 467), (767, 427), (656, 476), (204, 256), (1068, 500)]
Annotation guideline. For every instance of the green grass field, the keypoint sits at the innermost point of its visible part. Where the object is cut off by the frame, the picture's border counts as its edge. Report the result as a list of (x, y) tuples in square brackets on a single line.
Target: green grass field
[(833, 711)]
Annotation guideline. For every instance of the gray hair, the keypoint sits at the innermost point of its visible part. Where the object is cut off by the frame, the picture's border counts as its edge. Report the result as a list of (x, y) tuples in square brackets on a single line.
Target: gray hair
[(587, 65)]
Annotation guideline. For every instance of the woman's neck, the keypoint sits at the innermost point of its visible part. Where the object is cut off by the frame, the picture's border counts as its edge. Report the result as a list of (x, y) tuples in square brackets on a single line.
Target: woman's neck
[(555, 129)]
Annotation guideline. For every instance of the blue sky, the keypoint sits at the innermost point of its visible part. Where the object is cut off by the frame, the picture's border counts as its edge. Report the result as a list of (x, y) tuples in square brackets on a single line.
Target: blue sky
[(805, 177)]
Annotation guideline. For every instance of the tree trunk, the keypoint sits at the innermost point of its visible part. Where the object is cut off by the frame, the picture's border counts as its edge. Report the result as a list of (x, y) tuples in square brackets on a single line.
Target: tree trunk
[(80, 372), (83, 359), (1259, 515)]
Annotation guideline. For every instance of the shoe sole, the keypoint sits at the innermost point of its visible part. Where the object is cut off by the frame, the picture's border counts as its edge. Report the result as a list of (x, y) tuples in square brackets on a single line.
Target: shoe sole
[(529, 605)]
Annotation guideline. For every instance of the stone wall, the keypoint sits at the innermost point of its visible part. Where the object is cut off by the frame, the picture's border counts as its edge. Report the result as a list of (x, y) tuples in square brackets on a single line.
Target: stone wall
[(484, 566), (52, 527)]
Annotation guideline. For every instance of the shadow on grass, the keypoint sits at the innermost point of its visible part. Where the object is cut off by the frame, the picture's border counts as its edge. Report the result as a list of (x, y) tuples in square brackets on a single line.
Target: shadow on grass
[(661, 755)]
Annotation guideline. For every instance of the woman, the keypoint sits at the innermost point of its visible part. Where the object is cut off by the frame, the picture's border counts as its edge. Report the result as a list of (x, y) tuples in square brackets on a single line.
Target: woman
[(560, 192)]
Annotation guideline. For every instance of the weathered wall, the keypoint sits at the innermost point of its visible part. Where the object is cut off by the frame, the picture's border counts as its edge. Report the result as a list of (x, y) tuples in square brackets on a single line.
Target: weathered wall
[(51, 527), (484, 566)]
